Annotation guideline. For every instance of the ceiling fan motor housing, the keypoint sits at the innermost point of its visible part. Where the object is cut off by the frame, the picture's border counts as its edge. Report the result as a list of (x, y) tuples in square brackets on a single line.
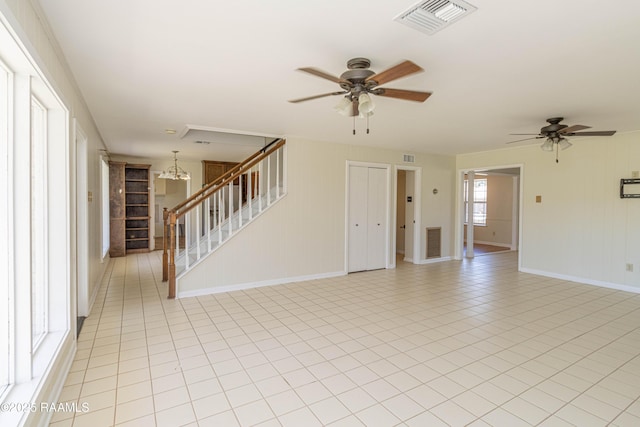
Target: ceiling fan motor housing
[(554, 127), (354, 78)]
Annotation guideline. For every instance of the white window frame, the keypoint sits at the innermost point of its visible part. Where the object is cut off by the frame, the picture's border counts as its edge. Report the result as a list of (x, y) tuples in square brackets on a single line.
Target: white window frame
[(39, 232), (477, 222), (6, 183), (26, 363), (104, 191)]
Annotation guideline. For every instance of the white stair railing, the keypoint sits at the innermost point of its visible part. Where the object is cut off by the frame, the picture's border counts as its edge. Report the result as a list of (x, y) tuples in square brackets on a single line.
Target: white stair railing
[(201, 224)]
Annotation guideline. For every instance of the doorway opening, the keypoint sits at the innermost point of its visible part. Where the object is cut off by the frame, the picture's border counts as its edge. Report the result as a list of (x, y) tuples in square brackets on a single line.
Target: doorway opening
[(166, 193), (489, 216), (407, 214), (82, 228)]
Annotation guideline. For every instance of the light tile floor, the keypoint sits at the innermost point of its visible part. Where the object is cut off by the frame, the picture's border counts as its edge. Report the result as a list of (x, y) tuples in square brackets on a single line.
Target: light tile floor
[(454, 343)]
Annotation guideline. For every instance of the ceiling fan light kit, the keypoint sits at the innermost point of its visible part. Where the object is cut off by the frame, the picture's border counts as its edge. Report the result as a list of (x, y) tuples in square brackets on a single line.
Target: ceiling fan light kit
[(547, 145), (344, 107), (555, 133), (358, 83), (365, 104)]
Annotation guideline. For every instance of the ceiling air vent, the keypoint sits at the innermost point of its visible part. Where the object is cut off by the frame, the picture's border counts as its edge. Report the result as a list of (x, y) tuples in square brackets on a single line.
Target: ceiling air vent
[(432, 16), (409, 158)]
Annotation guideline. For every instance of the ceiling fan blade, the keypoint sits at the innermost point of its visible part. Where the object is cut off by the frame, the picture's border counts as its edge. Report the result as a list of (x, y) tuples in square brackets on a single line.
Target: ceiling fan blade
[(409, 95), (524, 134), (309, 98), (526, 139), (322, 74), (573, 128), (403, 69), (594, 133)]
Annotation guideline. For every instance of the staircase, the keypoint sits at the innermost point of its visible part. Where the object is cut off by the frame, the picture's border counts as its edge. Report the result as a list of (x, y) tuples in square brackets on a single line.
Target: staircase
[(209, 218)]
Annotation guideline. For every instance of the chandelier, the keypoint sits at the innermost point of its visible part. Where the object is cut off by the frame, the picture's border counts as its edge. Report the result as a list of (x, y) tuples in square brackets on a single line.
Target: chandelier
[(174, 172)]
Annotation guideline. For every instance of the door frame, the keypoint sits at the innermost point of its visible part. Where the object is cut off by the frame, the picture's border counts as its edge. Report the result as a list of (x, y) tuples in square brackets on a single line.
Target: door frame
[(82, 221), (417, 211), (516, 213), (152, 204), (389, 259)]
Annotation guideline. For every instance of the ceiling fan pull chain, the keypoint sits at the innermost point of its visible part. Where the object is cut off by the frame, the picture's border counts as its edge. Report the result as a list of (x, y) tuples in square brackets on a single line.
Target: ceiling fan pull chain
[(557, 150), (367, 124), (354, 125)]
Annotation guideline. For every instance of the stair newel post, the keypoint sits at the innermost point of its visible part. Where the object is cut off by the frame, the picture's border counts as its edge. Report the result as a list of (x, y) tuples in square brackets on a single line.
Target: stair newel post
[(165, 255), (172, 259)]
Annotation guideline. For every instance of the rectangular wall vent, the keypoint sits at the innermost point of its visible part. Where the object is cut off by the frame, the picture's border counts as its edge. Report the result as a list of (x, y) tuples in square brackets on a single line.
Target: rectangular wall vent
[(434, 242), (409, 158), (431, 16)]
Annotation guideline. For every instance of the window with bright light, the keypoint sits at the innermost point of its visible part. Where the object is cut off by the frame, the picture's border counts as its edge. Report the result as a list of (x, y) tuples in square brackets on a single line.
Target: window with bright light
[(39, 311), (479, 201), (5, 102), (104, 185), (35, 282)]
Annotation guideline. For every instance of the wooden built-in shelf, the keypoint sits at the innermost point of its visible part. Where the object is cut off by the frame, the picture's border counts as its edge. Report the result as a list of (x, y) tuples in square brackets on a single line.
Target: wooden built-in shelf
[(129, 208)]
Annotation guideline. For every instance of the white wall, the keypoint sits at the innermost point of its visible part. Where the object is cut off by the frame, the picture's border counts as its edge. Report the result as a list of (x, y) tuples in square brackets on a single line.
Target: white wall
[(47, 54), (500, 199), (24, 19), (303, 236), (582, 230)]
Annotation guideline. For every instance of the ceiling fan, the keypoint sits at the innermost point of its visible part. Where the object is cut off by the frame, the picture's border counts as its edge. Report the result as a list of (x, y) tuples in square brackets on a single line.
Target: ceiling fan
[(358, 82), (556, 133)]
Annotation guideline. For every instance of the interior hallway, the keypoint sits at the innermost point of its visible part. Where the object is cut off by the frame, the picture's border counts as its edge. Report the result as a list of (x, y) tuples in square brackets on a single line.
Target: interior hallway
[(470, 342)]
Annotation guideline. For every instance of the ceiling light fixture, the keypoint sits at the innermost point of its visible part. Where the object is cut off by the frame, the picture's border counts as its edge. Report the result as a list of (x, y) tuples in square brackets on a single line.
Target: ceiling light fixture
[(557, 142), (547, 145), (365, 104), (175, 172), (359, 105), (344, 107), (564, 143)]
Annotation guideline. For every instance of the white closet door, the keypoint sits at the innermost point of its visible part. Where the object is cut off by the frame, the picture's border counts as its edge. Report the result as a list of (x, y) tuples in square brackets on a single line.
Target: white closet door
[(358, 178), (376, 218), (367, 218)]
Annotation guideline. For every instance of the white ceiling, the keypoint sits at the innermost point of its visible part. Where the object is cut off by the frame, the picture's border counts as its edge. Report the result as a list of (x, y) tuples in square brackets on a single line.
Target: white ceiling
[(147, 65)]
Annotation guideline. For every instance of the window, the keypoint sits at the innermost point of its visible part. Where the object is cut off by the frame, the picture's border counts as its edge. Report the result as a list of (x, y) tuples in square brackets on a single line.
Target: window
[(39, 311), (35, 224), (479, 201), (104, 185), (5, 278)]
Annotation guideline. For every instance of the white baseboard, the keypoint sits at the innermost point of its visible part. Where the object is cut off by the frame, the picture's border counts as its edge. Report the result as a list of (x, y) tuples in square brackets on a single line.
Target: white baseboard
[(482, 242), (251, 285), (609, 285), (434, 260), (96, 288)]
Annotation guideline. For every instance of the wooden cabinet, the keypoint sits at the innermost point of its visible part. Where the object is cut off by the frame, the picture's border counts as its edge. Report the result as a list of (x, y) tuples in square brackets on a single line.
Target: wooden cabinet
[(129, 208), (116, 209), (136, 178), (212, 169)]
